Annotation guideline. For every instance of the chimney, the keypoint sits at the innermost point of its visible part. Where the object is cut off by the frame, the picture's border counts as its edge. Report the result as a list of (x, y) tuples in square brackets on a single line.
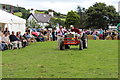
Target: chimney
[(51, 13), (32, 11), (4, 7), (11, 9)]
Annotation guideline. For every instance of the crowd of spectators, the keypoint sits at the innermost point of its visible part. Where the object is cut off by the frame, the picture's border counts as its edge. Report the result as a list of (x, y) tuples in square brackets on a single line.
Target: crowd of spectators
[(51, 35), (14, 40), (17, 40), (44, 34), (103, 34)]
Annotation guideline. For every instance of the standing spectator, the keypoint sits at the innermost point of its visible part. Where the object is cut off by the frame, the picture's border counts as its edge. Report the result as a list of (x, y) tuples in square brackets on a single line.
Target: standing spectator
[(53, 34), (118, 35), (113, 35), (105, 34), (88, 32), (95, 34), (6, 30), (48, 34), (101, 34), (60, 34)]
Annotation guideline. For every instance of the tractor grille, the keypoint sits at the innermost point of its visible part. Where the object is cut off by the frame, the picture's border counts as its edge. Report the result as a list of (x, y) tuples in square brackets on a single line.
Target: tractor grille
[(71, 36)]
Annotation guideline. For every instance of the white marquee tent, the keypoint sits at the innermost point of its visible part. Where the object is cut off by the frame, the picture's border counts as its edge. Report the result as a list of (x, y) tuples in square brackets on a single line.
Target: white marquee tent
[(11, 21)]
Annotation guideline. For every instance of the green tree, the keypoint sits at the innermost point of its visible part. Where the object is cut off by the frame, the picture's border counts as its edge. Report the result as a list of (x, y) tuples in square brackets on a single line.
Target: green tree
[(83, 17), (46, 12), (72, 19), (101, 16), (55, 21), (25, 13), (32, 24)]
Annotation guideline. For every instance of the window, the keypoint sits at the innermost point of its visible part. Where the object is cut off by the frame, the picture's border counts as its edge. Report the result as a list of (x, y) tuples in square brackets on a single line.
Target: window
[(44, 15)]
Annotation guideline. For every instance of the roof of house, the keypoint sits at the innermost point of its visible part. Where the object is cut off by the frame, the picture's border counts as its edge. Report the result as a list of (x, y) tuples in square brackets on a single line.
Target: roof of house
[(44, 18)]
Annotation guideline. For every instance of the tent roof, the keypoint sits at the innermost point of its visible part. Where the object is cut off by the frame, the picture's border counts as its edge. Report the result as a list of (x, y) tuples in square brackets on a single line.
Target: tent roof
[(6, 17)]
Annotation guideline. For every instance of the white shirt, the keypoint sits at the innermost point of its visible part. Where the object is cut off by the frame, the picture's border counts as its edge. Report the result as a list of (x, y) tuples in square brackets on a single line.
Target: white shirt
[(6, 39), (61, 33)]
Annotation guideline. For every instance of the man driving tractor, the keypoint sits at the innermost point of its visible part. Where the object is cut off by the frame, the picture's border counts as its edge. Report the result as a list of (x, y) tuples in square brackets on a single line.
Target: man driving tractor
[(74, 37), (73, 29)]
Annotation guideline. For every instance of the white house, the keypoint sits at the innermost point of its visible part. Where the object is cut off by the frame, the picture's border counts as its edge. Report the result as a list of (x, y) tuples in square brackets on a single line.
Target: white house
[(41, 19), (14, 23)]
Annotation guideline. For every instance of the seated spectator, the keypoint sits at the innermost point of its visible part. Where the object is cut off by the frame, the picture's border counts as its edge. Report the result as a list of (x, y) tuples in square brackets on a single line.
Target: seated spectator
[(40, 37), (2, 45), (6, 40), (15, 41), (24, 41), (34, 29), (27, 36), (17, 35), (27, 30), (113, 35)]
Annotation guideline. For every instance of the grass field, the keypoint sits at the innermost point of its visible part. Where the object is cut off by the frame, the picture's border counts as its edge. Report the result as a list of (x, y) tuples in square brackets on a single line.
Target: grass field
[(39, 12), (44, 60), (18, 14)]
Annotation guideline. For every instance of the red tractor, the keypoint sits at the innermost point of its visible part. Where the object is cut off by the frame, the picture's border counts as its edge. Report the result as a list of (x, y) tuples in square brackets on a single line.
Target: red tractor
[(74, 39)]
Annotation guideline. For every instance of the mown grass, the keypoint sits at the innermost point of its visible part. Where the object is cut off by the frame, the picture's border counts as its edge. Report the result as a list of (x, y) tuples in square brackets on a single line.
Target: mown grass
[(39, 12), (18, 14), (44, 60)]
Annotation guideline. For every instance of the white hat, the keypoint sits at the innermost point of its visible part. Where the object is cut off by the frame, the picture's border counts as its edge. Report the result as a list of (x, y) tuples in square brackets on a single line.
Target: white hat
[(71, 26)]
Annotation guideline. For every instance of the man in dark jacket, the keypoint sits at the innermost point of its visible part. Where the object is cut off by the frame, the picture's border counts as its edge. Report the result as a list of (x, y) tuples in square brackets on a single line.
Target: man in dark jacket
[(13, 37), (15, 41)]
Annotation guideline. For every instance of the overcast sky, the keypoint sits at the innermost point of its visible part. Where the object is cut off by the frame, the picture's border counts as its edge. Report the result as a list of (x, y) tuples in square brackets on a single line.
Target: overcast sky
[(62, 6)]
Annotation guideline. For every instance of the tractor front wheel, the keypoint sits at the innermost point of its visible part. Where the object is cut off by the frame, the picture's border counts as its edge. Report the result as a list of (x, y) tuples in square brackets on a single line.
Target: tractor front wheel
[(67, 46), (62, 46)]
